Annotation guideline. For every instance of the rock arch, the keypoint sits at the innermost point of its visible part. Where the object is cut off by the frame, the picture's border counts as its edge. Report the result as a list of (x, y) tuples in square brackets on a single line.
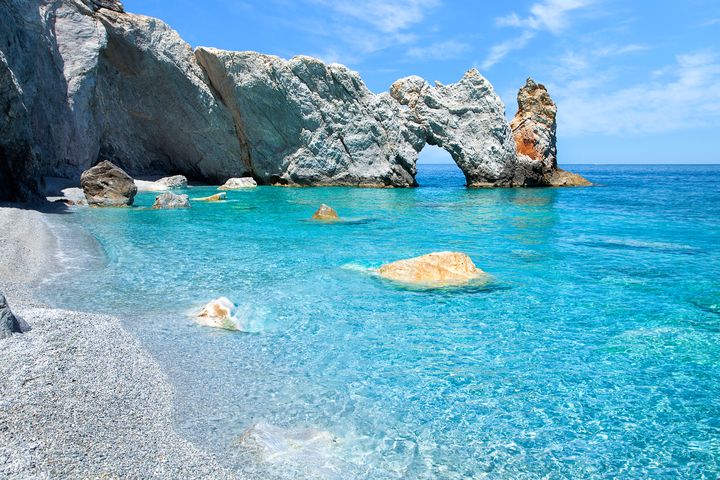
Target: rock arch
[(467, 119)]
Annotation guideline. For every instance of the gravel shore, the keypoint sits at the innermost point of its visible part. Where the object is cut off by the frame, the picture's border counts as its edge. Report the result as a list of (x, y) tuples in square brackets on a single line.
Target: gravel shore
[(79, 397)]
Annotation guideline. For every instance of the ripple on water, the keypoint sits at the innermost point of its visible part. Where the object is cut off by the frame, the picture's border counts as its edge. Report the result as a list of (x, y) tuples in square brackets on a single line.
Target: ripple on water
[(592, 352)]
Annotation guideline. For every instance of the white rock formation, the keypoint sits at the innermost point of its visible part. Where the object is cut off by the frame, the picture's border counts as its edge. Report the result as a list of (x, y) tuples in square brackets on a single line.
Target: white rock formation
[(218, 314), (307, 123), (468, 120), (81, 80), (169, 200), (129, 90), (238, 183), (176, 181)]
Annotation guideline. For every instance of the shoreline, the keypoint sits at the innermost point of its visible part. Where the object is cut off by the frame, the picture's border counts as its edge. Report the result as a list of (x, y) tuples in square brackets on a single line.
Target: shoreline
[(80, 397)]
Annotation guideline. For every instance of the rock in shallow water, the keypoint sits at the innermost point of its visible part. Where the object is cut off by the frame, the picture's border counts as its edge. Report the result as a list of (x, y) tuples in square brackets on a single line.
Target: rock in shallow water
[(9, 323), (176, 181), (238, 183), (107, 185), (218, 314), (275, 444), (534, 130), (213, 198), (171, 200), (325, 213), (434, 269)]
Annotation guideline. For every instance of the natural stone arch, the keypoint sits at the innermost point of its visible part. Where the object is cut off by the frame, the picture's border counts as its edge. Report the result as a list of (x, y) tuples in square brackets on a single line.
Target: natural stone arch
[(467, 119)]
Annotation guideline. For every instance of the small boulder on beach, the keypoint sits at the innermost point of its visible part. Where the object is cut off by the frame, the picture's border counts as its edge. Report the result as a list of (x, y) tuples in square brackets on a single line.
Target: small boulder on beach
[(325, 213), (238, 183), (9, 323), (107, 185), (434, 269), (217, 314), (171, 200), (218, 197), (176, 181)]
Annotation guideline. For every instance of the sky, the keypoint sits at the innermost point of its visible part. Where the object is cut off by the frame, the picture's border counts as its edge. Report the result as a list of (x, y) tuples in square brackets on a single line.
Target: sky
[(635, 82)]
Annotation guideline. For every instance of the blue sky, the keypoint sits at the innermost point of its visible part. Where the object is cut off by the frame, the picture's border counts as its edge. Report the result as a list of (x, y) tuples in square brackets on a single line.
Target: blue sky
[(635, 82)]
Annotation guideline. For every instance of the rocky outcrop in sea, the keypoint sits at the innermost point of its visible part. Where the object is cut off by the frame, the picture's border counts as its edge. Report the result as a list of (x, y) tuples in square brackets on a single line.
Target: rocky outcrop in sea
[(82, 80)]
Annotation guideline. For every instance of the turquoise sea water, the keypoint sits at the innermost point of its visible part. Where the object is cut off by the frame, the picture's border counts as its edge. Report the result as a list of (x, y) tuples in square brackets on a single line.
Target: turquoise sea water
[(593, 353)]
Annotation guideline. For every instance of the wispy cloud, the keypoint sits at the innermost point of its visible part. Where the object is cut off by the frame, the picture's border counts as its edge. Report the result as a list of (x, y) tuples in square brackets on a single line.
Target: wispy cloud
[(685, 94), (384, 16), (500, 50), (439, 50), (550, 15), (362, 28)]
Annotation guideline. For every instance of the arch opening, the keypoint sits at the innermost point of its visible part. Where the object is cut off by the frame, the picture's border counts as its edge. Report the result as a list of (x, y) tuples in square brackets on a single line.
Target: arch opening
[(436, 168)]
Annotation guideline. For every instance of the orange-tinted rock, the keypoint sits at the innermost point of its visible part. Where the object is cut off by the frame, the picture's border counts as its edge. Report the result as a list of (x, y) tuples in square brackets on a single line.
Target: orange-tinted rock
[(534, 129), (217, 314), (433, 269), (325, 213), (213, 198)]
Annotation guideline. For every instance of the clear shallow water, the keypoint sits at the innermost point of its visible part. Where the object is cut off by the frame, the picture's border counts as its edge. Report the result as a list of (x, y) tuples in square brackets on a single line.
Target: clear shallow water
[(595, 351)]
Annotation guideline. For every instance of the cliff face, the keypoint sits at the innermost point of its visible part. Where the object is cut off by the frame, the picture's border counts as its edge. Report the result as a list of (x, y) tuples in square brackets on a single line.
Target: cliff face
[(83, 81), (307, 123)]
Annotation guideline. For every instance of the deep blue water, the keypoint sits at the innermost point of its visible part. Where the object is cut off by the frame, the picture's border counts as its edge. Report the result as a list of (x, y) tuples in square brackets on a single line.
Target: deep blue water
[(593, 353)]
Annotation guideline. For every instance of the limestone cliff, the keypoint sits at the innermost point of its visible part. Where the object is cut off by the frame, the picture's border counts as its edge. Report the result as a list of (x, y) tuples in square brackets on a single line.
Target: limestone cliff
[(468, 120), (80, 82), (83, 81), (307, 123)]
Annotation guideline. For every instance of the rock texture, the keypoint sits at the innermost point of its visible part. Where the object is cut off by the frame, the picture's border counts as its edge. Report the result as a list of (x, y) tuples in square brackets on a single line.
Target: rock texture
[(82, 80), (238, 183), (325, 213), (170, 200), (434, 269), (176, 181), (468, 120), (107, 185), (9, 323), (307, 123), (534, 130)]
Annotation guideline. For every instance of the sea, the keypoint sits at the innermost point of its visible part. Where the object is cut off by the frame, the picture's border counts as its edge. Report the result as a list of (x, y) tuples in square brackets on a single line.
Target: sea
[(593, 351)]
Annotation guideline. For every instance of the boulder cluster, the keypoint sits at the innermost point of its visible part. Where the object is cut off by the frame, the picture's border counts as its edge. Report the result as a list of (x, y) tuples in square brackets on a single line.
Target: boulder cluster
[(114, 86)]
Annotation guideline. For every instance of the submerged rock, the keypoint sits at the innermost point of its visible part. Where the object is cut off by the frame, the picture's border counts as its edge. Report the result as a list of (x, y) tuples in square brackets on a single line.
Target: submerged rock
[(213, 198), (218, 314), (171, 200), (9, 323), (325, 213), (238, 183), (433, 269), (107, 185), (534, 130), (176, 181), (276, 444)]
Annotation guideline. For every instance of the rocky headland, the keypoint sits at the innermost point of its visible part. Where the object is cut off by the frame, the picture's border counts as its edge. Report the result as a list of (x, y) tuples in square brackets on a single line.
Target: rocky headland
[(83, 81)]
